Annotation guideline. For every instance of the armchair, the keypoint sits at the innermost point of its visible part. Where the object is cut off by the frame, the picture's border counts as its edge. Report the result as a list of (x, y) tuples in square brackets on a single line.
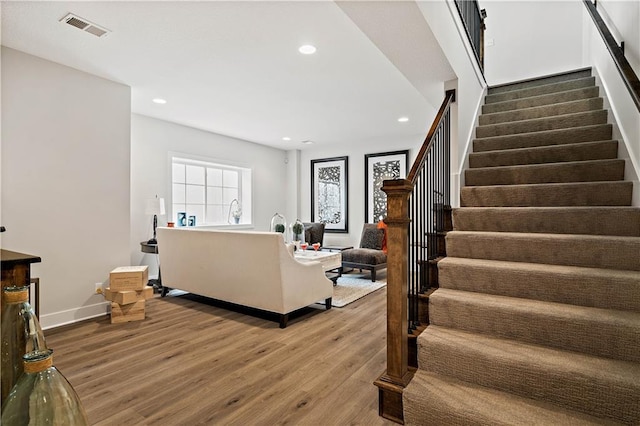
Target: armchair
[(370, 255), (313, 232)]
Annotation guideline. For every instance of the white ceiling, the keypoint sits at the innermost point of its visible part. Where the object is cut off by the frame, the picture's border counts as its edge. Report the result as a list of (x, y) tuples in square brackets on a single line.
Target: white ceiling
[(234, 68)]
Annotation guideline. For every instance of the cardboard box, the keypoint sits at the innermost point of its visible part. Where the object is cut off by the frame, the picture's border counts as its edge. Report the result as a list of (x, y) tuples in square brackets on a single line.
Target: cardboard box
[(125, 297), (126, 313), (129, 278)]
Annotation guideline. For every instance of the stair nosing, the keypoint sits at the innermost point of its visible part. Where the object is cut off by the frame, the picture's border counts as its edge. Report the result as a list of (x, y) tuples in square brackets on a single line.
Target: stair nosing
[(540, 119), (541, 147), (551, 165)]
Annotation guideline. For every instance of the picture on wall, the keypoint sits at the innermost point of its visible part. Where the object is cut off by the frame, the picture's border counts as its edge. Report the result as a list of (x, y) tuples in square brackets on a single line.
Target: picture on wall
[(329, 193), (377, 168)]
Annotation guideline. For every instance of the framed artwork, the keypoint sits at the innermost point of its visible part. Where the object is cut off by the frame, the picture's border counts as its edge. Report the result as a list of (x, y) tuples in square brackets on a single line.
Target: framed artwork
[(377, 168), (329, 193)]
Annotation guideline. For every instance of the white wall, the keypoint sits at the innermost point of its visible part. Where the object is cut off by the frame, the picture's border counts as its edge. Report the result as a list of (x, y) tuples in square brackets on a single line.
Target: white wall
[(470, 86), (531, 38), (623, 113), (65, 179), (623, 19), (151, 142), (356, 186)]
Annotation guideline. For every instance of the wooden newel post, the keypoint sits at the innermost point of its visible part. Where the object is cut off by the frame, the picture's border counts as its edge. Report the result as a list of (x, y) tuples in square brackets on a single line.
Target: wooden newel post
[(397, 375)]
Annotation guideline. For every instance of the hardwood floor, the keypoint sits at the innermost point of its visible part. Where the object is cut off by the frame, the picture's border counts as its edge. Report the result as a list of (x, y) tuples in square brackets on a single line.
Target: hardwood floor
[(191, 363)]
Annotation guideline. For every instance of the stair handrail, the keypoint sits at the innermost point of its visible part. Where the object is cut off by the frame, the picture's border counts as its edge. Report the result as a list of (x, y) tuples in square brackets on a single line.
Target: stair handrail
[(629, 76), (409, 201)]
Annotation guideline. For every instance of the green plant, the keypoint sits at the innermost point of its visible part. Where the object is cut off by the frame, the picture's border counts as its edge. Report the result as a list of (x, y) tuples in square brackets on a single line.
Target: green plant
[(279, 228), (297, 228)]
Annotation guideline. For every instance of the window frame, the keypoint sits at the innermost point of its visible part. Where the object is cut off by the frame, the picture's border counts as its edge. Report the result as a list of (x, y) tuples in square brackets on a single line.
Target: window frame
[(244, 186)]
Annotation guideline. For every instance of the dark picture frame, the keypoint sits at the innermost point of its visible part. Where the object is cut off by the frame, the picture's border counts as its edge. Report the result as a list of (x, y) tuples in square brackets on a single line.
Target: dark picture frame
[(330, 193), (377, 167)]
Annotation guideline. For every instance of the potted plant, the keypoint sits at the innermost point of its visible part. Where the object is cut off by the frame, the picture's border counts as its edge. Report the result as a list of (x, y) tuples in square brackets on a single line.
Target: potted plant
[(279, 228), (297, 229)]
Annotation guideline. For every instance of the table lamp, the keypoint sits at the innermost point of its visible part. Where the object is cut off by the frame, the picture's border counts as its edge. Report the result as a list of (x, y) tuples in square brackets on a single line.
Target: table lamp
[(155, 207)]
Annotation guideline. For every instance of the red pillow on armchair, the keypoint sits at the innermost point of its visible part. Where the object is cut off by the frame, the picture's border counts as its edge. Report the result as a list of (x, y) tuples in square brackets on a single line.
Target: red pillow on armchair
[(383, 226)]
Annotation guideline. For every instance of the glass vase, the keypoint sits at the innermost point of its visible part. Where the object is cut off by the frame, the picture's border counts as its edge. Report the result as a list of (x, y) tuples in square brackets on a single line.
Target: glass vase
[(43, 396), (297, 232), (279, 224), (21, 334)]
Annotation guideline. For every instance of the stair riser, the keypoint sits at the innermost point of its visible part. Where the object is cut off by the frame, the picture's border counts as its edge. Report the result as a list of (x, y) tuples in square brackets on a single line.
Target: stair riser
[(540, 112), (527, 84), (541, 90), (591, 252), (553, 154), (578, 286), (610, 221), (524, 375), (578, 329), (554, 137), (536, 101), (543, 124), (546, 195), (582, 171)]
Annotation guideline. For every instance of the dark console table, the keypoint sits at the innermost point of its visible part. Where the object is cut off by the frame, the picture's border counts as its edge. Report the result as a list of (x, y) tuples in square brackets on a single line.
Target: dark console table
[(16, 272), (146, 247)]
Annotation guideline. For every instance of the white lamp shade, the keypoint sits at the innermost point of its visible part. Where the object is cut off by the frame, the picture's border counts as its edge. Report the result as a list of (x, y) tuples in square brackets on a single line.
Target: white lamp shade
[(155, 206)]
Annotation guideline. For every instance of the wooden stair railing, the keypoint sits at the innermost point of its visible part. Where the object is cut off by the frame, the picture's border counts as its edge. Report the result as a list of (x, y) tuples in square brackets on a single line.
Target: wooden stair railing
[(416, 224)]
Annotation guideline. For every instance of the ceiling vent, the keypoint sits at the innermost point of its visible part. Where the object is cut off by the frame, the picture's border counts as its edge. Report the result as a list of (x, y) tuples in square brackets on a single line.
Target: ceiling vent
[(84, 25)]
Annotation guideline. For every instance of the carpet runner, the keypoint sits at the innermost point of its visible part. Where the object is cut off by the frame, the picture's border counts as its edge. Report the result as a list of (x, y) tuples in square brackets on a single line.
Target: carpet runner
[(537, 318)]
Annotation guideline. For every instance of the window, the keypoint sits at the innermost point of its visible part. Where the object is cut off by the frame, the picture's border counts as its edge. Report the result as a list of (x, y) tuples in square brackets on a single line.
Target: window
[(206, 190)]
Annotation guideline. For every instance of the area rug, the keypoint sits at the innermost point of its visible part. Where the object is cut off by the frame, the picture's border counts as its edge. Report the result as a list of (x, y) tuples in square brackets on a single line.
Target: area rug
[(352, 287)]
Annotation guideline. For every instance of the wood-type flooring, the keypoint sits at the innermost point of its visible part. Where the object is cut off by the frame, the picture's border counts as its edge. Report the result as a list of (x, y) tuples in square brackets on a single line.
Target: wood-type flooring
[(195, 363)]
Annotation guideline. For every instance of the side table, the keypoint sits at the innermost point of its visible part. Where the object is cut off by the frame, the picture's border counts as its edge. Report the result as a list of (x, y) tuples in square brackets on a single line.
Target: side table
[(16, 271), (145, 247)]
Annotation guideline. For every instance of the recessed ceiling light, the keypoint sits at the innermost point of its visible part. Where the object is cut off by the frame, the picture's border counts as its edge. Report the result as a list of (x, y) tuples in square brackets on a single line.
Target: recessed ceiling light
[(307, 49), (307, 142), (159, 101), (403, 119), (286, 138)]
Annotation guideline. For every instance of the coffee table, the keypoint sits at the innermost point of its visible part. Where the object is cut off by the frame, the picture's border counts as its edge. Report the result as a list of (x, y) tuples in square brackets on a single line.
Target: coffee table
[(331, 261)]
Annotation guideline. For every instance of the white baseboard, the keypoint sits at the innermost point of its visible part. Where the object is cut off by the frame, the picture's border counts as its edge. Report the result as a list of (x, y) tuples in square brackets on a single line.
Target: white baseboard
[(70, 316)]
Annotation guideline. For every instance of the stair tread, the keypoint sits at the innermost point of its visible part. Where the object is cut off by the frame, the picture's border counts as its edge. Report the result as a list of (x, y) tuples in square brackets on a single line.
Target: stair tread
[(541, 89), (581, 151), (541, 81), (536, 125), (609, 193), (453, 401), (600, 251), (603, 332), (586, 286), (542, 111), (588, 133), (605, 387), (541, 100), (567, 171), (612, 220)]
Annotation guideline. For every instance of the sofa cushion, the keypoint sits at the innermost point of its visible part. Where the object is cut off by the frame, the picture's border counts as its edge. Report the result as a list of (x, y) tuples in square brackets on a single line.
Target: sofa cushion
[(364, 256)]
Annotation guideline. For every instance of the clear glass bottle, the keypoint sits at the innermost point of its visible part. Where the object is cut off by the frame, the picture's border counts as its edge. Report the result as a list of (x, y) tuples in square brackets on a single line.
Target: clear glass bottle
[(21, 334), (43, 396)]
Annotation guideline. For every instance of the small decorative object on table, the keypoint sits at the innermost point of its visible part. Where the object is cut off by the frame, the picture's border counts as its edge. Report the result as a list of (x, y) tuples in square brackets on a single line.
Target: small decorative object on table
[(297, 231), (192, 221), (235, 211), (182, 218), (278, 224)]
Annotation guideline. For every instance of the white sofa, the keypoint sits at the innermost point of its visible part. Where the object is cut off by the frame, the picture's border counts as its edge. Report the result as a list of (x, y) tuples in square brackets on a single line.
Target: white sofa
[(254, 269)]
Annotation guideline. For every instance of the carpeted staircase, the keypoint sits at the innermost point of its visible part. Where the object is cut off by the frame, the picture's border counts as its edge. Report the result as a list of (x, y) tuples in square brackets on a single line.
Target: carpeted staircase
[(537, 318)]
